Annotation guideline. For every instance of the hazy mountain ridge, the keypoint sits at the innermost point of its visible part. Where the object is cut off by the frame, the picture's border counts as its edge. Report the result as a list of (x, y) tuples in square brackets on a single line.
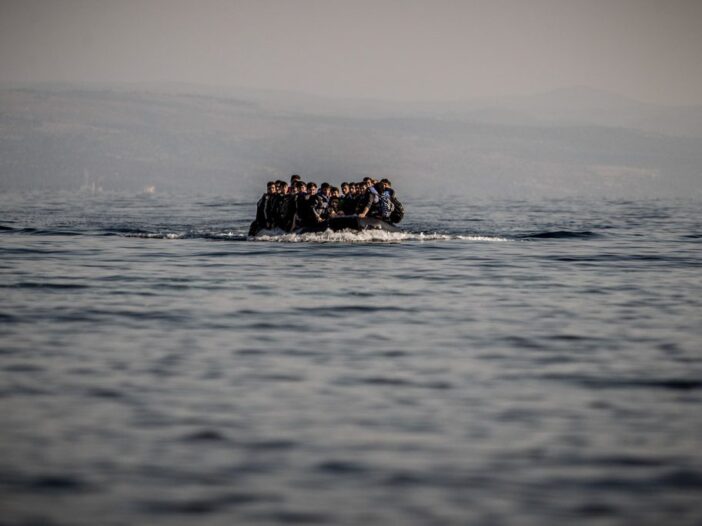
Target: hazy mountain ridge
[(185, 138)]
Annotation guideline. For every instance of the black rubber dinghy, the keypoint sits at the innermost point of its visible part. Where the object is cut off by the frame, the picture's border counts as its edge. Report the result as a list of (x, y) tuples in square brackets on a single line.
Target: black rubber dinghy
[(339, 223), (349, 223)]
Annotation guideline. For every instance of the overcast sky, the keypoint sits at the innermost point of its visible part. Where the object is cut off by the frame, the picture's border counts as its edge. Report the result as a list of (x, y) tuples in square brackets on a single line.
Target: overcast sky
[(388, 49)]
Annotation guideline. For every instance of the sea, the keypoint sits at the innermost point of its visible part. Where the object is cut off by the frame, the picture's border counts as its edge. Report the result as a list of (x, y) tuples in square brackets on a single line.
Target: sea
[(499, 362)]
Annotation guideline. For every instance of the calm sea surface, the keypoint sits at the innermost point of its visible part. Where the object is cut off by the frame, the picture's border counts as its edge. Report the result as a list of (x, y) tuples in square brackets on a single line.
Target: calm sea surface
[(512, 362)]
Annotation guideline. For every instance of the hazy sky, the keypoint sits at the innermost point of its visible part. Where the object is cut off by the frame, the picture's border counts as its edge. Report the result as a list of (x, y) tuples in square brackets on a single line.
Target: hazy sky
[(389, 49)]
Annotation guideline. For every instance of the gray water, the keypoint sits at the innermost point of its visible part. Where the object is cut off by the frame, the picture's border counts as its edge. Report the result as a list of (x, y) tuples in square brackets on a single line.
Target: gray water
[(514, 362)]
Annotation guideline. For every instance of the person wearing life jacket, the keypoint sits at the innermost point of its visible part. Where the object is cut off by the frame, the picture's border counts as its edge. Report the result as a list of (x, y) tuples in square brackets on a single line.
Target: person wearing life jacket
[(383, 206), (398, 211)]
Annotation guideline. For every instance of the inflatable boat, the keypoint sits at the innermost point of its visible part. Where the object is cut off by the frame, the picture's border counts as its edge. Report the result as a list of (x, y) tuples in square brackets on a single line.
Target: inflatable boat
[(349, 223), (338, 223)]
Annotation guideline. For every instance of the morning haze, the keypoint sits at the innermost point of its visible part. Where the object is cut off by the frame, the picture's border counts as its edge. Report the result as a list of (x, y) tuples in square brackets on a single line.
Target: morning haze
[(395, 50), (478, 95)]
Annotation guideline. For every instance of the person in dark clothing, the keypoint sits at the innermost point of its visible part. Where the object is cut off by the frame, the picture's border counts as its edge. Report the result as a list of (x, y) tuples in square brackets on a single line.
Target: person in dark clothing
[(398, 211), (334, 208), (269, 210), (310, 208), (324, 194), (286, 212), (348, 202), (324, 190), (264, 211), (299, 196), (365, 202), (277, 203), (313, 206), (293, 183)]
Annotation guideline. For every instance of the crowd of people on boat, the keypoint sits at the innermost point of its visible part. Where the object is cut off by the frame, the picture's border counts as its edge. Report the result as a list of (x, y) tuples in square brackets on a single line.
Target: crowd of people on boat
[(294, 205)]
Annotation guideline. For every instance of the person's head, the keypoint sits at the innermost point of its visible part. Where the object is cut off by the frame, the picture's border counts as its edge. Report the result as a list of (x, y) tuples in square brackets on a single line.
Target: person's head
[(294, 178), (335, 191), (387, 183), (353, 189), (379, 187), (311, 188), (271, 187), (278, 185), (301, 187), (325, 189), (345, 187), (283, 187)]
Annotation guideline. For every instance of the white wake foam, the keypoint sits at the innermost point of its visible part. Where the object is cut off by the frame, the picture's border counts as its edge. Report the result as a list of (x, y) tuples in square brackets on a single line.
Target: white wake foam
[(329, 236), (155, 235), (363, 236)]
